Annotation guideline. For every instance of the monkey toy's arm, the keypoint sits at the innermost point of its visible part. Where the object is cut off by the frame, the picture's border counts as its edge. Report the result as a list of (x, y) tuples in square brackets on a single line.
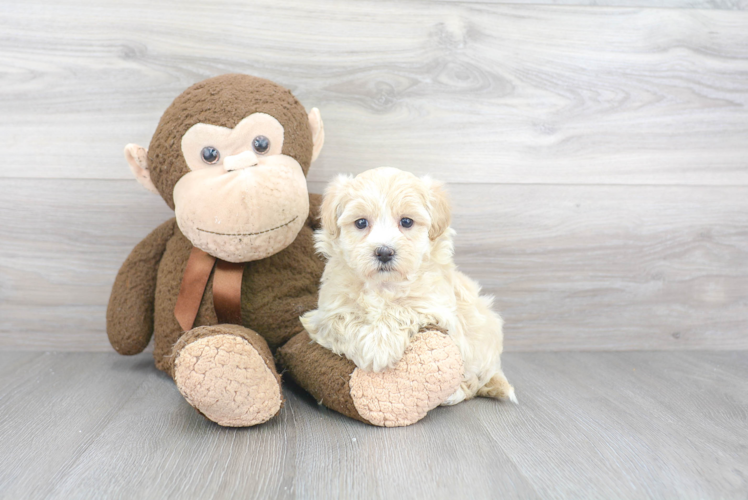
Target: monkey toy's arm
[(129, 315)]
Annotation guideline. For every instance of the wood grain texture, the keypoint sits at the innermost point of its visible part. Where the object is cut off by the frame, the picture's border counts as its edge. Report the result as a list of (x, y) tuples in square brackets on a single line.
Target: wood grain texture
[(590, 425), (598, 148), (652, 4), (615, 267), (62, 244), (52, 407), (471, 92), (572, 267)]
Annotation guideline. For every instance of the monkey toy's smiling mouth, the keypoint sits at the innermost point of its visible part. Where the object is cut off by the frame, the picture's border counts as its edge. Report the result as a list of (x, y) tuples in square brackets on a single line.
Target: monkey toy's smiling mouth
[(247, 217), (250, 234)]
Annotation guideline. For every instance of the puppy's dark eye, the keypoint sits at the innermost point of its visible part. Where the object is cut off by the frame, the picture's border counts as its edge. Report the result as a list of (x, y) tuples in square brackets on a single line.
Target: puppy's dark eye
[(261, 144), (210, 155), (361, 223), (406, 223)]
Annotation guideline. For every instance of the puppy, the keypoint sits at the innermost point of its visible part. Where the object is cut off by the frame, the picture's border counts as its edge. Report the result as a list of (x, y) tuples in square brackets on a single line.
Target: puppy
[(390, 272)]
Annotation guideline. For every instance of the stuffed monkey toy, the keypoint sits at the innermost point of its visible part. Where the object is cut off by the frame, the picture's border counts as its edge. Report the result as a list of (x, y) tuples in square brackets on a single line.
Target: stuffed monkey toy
[(221, 286)]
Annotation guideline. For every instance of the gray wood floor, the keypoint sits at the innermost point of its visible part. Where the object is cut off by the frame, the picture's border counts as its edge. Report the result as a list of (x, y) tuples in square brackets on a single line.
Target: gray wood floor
[(590, 425)]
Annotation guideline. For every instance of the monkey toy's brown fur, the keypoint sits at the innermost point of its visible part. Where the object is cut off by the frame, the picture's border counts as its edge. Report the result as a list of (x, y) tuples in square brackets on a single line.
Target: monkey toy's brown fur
[(227, 371)]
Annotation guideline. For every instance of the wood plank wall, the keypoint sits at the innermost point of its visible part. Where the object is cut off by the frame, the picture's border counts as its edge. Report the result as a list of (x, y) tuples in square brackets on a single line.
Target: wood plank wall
[(596, 151)]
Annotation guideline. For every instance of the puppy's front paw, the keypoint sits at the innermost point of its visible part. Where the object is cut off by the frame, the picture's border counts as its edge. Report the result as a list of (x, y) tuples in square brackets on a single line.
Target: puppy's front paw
[(374, 362), (377, 348)]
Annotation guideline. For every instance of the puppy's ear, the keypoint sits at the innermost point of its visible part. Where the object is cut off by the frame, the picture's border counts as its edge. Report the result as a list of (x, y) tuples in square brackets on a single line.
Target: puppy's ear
[(333, 204), (438, 207)]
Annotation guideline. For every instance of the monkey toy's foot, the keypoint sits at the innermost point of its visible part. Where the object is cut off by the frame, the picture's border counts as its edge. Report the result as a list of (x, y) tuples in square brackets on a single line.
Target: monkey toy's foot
[(429, 372), (227, 373)]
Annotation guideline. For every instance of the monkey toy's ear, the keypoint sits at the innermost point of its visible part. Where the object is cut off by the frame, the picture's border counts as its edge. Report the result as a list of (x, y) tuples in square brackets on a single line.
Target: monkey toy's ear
[(318, 132), (137, 158)]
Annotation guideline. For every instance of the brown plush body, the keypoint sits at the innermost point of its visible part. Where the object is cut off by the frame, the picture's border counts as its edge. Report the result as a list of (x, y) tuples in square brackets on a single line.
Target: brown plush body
[(227, 372), (275, 291)]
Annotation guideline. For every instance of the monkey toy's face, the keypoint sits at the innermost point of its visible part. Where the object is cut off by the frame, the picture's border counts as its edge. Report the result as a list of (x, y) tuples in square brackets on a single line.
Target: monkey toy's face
[(241, 194), (218, 204)]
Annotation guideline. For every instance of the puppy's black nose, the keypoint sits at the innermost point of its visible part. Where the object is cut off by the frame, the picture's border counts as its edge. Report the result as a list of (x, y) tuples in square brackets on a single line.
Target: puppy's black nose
[(384, 254)]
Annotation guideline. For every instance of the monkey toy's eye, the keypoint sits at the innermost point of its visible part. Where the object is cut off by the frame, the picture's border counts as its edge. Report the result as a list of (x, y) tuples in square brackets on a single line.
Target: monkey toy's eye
[(361, 223), (210, 155), (261, 144), (406, 223)]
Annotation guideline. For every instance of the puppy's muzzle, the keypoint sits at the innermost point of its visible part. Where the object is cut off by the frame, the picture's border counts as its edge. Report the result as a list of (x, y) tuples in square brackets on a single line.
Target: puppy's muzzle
[(384, 254)]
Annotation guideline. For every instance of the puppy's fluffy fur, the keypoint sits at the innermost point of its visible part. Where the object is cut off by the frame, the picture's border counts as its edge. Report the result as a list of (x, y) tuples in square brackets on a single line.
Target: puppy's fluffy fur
[(368, 310)]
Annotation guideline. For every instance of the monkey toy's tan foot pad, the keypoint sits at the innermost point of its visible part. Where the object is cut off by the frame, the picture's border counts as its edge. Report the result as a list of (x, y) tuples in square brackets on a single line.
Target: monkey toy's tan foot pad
[(428, 373), (227, 373)]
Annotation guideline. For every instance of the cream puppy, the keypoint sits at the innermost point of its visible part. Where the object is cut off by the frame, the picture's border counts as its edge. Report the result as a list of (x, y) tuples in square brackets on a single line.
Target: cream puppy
[(390, 272)]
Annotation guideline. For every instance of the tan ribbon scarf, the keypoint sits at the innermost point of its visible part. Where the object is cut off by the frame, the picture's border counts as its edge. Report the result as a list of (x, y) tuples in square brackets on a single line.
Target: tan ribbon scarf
[(227, 289)]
